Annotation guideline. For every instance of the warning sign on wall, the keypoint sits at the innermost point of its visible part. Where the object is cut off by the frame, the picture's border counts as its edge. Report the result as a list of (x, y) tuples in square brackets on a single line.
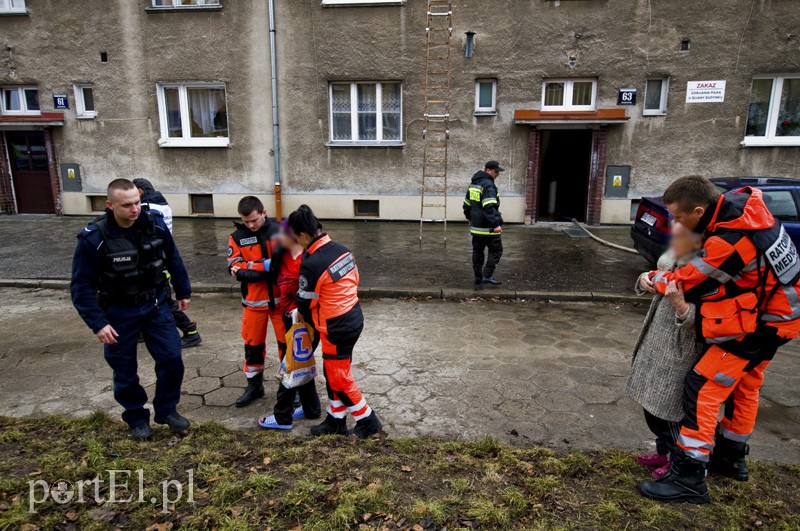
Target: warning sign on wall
[(705, 92)]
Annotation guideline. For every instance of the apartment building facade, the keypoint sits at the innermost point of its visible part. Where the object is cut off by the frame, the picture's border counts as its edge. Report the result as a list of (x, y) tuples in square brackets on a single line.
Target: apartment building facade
[(589, 104)]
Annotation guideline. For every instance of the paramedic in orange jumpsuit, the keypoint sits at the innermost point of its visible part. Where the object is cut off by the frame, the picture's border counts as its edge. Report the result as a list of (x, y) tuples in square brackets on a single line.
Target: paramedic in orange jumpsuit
[(748, 257), (328, 298), (250, 250)]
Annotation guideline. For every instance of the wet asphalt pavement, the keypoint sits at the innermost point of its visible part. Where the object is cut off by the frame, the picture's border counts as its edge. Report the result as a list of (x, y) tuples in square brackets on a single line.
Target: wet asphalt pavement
[(389, 254)]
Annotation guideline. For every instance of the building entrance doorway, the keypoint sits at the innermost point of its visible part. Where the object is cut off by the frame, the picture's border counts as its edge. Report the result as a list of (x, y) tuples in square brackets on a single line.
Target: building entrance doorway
[(566, 156), (30, 171)]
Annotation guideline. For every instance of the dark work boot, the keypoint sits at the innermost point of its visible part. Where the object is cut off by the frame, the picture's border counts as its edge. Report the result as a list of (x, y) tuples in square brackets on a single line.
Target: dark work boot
[(367, 427), (254, 391), (478, 281), (191, 337), (142, 432), (728, 459), (176, 422), (491, 280), (330, 426), (685, 482)]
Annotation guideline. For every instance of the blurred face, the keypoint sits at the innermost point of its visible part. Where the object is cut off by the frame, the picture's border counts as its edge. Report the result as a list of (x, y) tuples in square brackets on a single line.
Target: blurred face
[(689, 219), (254, 220), (683, 242), (303, 239), (286, 240), (125, 205)]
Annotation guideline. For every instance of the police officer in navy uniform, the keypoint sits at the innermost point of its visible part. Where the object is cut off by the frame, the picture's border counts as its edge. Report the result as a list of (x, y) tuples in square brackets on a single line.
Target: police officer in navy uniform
[(119, 289)]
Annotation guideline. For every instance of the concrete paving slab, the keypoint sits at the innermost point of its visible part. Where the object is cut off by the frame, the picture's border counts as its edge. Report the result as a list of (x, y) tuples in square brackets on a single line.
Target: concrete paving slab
[(391, 259)]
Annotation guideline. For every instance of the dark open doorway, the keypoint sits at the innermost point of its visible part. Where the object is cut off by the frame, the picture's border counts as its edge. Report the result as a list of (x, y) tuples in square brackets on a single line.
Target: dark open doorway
[(564, 177), (30, 170)]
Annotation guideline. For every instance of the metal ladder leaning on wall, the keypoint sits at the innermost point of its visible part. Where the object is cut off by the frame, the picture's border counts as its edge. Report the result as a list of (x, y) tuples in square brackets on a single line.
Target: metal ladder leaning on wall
[(436, 131)]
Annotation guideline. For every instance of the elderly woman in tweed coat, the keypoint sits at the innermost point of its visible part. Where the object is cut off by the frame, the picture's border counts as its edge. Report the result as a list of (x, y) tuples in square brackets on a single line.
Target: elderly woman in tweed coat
[(664, 353)]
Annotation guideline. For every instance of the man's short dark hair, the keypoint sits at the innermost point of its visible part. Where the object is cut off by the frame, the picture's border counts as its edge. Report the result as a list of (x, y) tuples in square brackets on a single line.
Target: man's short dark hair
[(118, 184), (691, 192), (249, 204)]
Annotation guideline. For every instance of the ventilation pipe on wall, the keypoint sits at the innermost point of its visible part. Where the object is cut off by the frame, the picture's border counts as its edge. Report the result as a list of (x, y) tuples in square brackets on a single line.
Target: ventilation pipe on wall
[(276, 142)]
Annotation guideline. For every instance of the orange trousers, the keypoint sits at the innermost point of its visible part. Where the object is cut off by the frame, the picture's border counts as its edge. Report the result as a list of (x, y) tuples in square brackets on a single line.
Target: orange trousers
[(344, 396), (254, 333), (719, 378)]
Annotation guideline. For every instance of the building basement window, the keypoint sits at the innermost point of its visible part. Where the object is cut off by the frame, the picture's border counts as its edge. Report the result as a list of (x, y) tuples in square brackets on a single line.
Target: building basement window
[(84, 101), (97, 203), (773, 118), (193, 115), (367, 208), (655, 97), (202, 203), (366, 113), (569, 95), (12, 7), (20, 101)]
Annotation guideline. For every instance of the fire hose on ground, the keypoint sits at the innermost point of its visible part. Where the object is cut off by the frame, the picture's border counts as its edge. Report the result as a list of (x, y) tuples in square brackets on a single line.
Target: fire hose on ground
[(602, 241)]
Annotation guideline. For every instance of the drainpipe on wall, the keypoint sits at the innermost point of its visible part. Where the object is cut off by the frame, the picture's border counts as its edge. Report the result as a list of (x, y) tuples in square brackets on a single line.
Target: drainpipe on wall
[(276, 144)]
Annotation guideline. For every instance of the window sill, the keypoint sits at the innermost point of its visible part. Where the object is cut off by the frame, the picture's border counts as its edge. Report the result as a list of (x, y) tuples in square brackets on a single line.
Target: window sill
[(771, 142), (654, 113), (485, 113), (22, 13), (86, 116), (361, 3), (193, 142), (365, 144), (165, 9)]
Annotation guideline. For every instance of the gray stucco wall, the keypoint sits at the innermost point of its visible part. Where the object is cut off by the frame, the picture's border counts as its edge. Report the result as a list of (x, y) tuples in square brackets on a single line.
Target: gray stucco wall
[(59, 43), (521, 42)]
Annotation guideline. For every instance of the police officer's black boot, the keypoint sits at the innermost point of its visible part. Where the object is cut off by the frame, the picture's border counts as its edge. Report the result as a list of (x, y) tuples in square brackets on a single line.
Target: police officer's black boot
[(367, 427), (176, 422), (728, 459), (685, 482), (330, 426), (254, 391), (191, 337)]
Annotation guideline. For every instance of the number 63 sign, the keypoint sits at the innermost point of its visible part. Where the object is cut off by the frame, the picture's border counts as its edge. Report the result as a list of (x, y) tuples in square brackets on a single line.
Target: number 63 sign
[(626, 96)]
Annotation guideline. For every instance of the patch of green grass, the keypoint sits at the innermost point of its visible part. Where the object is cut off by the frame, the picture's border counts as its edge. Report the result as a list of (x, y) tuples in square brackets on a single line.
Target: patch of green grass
[(487, 512), (338, 483)]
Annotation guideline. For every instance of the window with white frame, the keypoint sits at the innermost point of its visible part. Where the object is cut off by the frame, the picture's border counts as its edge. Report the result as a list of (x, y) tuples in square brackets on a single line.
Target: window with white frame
[(20, 100), (773, 118), (655, 96), (166, 4), (366, 113), (363, 2), (486, 96), (193, 115), (12, 6), (84, 101), (569, 95)]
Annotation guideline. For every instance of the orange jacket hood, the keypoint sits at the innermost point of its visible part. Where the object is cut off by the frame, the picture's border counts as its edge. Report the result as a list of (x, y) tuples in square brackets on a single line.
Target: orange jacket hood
[(743, 209)]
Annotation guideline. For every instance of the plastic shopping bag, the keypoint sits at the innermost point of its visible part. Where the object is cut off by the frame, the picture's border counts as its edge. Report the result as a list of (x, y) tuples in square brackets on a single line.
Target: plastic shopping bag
[(298, 366)]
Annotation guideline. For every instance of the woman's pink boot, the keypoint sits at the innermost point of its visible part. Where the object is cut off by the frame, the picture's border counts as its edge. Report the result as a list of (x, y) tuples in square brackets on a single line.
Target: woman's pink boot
[(653, 460), (659, 473)]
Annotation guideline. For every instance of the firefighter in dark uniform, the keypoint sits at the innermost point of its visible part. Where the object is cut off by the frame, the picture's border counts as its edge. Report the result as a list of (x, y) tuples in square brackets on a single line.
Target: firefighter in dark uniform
[(119, 289), (482, 209), (328, 299)]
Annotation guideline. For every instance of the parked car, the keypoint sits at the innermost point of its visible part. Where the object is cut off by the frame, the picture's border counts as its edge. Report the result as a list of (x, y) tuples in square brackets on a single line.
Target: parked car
[(651, 229)]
